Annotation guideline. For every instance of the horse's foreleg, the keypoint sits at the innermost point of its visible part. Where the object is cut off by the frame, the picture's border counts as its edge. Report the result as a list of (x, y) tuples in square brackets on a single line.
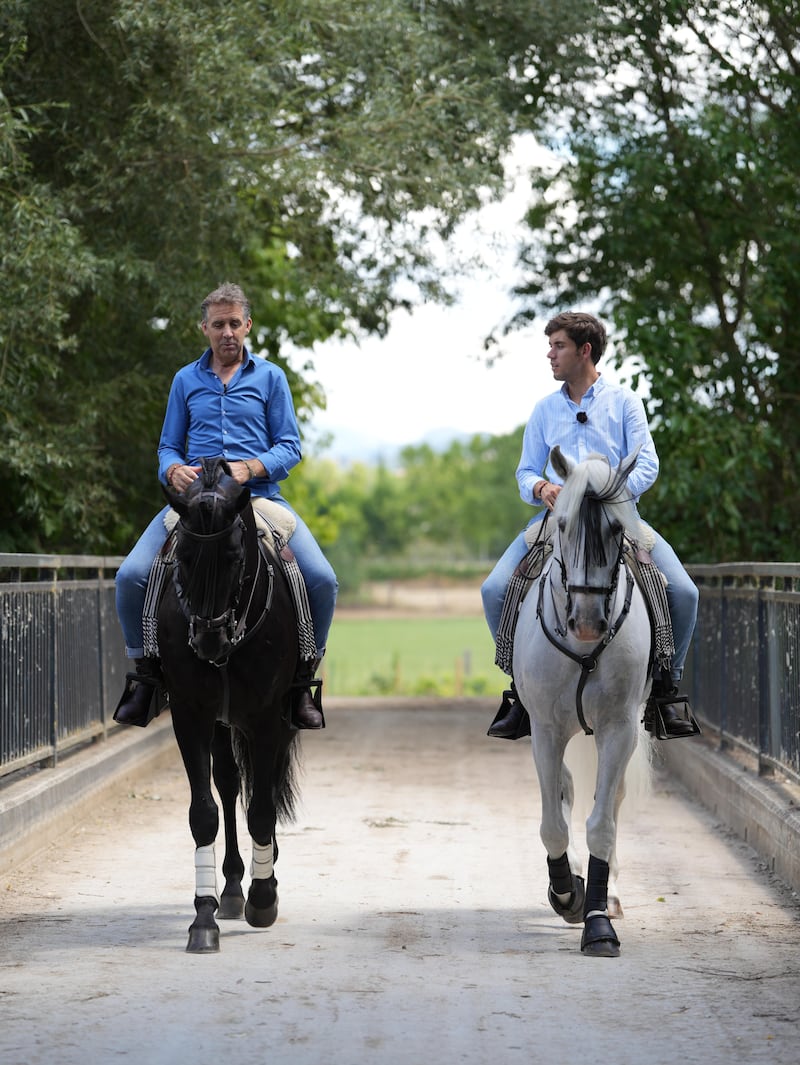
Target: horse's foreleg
[(204, 930), (614, 905), (226, 778), (613, 754), (565, 890), (204, 825), (599, 939), (261, 908)]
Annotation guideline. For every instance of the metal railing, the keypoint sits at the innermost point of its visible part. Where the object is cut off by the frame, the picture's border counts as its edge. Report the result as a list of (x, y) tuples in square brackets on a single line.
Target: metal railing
[(743, 670), (62, 656)]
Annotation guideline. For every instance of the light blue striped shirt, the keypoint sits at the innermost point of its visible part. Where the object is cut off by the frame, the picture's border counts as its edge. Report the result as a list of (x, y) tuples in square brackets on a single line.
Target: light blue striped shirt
[(616, 424)]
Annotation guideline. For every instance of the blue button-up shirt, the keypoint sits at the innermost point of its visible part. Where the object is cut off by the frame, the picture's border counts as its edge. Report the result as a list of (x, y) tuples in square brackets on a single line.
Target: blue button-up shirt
[(252, 417), (615, 425)]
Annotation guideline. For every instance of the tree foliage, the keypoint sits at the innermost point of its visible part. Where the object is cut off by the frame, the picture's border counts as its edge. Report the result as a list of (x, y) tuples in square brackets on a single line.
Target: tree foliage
[(152, 148), (675, 207)]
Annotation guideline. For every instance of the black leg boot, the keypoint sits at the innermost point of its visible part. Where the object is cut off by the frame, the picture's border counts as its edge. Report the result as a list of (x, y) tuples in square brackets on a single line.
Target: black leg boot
[(307, 697), (141, 700), (511, 721)]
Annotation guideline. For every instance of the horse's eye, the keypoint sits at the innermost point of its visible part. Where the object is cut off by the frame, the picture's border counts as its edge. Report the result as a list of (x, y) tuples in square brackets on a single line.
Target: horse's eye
[(616, 527), (562, 524)]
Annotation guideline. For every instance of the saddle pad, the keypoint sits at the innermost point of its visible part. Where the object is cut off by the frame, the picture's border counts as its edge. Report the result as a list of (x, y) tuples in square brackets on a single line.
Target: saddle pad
[(265, 511)]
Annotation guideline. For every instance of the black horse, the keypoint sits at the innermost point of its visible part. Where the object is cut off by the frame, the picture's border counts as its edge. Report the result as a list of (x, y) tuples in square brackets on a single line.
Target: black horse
[(227, 635)]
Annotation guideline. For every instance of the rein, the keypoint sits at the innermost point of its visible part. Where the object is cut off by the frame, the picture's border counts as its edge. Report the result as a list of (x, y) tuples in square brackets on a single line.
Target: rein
[(587, 662)]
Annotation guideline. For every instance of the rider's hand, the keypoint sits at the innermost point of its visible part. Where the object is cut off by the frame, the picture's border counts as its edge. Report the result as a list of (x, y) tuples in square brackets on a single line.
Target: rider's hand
[(182, 476), (246, 470), (549, 494)]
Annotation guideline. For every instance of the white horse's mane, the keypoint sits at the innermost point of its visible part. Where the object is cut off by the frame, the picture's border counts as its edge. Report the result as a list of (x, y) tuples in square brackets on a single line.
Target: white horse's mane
[(598, 477)]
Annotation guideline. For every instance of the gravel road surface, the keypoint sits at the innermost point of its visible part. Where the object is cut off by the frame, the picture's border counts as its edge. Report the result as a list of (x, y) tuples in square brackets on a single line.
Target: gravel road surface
[(414, 925)]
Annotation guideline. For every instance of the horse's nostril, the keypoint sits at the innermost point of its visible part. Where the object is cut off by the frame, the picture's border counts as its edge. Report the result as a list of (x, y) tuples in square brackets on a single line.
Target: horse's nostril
[(571, 624)]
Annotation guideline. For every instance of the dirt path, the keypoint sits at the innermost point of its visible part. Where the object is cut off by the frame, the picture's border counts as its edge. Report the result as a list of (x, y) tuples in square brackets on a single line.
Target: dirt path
[(414, 926)]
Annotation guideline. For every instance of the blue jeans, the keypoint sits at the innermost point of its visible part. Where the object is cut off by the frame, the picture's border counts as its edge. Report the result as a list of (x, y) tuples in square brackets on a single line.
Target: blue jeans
[(132, 576), (682, 594)]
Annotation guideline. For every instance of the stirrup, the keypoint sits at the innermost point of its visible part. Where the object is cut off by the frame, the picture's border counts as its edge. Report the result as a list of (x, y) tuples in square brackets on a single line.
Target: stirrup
[(511, 701), (653, 719), (313, 686), (148, 708)]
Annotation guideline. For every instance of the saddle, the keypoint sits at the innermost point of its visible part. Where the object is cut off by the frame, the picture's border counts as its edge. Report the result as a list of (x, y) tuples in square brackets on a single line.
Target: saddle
[(637, 559), (276, 524)]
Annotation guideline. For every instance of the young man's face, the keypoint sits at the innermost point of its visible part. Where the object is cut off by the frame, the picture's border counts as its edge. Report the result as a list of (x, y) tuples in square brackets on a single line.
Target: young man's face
[(566, 359), (226, 328)]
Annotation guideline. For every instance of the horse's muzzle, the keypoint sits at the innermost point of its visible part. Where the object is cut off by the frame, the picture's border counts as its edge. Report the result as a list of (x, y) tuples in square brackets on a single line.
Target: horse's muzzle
[(211, 639), (587, 620)]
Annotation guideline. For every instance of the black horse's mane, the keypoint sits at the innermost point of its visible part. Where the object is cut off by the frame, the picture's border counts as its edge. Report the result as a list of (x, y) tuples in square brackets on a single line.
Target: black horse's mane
[(211, 471)]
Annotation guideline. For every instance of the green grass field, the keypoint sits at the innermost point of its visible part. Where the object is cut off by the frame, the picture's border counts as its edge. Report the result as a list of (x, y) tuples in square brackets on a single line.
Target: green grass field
[(411, 656)]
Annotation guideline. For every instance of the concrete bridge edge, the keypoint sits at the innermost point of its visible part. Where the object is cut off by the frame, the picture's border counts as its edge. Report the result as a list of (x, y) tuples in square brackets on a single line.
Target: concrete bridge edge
[(38, 808), (762, 811)]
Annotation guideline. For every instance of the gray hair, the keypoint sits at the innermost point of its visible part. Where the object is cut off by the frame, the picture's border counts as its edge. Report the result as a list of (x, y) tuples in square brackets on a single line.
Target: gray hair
[(225, 293)]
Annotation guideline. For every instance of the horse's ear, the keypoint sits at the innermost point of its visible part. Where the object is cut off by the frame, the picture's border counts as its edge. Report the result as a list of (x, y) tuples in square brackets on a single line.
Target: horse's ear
[(627, 464), (561, 463)]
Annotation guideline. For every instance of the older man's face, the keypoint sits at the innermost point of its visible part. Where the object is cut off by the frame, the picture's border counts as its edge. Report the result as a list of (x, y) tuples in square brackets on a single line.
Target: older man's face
[(226, 328)]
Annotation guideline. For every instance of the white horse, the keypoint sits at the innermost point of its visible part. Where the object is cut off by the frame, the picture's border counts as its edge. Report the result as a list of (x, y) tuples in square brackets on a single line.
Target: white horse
[(581, 660)]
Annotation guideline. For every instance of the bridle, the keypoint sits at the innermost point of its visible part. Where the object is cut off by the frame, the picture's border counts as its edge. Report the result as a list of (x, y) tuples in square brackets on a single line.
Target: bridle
[(587, 662), (231, 623)]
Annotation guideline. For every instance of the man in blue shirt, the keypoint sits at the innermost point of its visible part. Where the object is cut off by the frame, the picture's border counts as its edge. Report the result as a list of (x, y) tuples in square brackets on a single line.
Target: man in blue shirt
[(232, 405), (588, 414)]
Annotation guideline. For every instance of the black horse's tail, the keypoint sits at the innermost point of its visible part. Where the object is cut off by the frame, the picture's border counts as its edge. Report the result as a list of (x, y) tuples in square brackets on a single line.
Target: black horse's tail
[(285, 771)]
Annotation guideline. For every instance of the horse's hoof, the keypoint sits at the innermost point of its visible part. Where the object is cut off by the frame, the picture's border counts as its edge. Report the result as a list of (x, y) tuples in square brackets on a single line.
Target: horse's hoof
[(572, 909), (614, 908), (261, 918), (203, 941), (231, 907), (599, 940)]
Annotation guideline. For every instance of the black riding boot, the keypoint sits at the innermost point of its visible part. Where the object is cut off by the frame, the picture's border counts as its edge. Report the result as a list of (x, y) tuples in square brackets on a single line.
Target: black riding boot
[(307, 701), (140, 701), (668, 714), (511, 721)]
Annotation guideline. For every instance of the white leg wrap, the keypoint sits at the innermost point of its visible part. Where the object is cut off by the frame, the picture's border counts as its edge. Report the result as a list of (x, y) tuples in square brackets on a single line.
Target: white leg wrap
[(261, 867), (205, 872)]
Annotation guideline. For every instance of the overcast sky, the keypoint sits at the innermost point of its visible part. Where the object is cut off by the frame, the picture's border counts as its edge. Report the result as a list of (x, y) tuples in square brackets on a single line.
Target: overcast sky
[(431, 372)]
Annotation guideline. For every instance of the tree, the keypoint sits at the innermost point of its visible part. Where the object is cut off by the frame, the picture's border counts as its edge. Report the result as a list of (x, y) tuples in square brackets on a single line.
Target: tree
[(676, 209)]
